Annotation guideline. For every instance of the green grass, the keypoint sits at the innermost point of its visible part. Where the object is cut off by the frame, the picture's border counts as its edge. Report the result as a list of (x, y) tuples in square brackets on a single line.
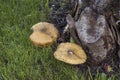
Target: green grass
[(19, 59)]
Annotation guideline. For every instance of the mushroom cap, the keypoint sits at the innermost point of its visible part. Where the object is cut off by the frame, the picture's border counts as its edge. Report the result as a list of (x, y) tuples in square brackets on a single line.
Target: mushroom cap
[(46, 28), (70, 53), (40, 39), (43, 34)]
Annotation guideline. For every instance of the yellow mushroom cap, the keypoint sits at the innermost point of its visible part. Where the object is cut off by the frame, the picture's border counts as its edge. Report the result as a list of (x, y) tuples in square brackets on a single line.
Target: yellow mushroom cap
[(46, 28), (39, 39), (43, 34), (70, 53)]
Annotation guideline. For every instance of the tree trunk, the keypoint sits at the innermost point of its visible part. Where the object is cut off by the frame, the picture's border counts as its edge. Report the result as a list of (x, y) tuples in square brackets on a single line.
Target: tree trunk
[(93, 25)]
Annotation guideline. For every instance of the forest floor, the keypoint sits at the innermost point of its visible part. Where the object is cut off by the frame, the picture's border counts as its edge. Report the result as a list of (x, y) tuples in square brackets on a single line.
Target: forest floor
[(19, 59)]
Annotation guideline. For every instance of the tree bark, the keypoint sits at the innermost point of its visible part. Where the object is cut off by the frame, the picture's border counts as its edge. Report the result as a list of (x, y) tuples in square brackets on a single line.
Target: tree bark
[(93, 26), (96, 29)]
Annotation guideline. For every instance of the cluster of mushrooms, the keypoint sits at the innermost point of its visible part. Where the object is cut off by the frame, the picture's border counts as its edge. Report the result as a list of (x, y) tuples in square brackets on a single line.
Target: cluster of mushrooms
[(45, 34)]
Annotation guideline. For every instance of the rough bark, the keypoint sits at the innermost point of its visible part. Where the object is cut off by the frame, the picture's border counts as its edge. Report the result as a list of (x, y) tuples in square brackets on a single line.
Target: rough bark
[(93, 25), (96, 30)]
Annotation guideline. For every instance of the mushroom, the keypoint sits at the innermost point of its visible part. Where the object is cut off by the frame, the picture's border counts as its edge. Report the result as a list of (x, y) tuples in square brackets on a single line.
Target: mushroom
[(70, 53), (44, 34)]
